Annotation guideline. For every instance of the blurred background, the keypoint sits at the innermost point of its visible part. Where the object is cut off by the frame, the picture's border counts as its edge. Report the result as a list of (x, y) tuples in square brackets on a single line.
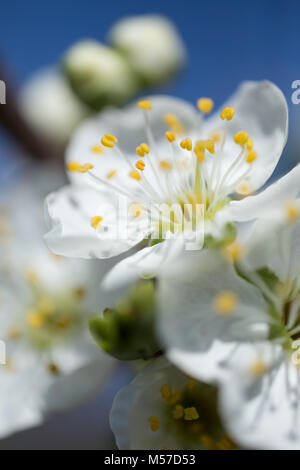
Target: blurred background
[(226, 42)]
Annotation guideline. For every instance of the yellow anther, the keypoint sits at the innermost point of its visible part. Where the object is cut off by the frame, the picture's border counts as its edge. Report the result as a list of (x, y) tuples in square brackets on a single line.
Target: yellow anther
[(135, 175), (199, 149), (136, 209), (96, 221), (142, 150), (77, 167), (251, 156), (154, 423), (86, 167), (166, 392), (111, 174), (97, 149), (227, 113), (186, 144), (244, 188), (174, 123), (234, 252), (191, 414), (191, 384), (205, 105), (53, 368), (13, 333), (200, 145), (111, 137), (249, 144), (35, 319), (79, 292), (140, 165), (241, 138), (178, 412), (107, 142), (225, 302), (63, 322), (73, 166), (216, 136), (166, 165), (210, 145), (170, 136), (292, 210), (258, 368), (145, 104), (145, 147)]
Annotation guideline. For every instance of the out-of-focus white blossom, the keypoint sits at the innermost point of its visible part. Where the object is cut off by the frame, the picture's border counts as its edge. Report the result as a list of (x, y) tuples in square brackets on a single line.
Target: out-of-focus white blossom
[(50, 105), (46, 303), (164, 409)]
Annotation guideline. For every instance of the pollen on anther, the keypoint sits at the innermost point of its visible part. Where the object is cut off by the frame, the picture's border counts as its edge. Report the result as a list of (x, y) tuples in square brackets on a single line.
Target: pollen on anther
[(109, 140), (134, 174), (258, 367), (77, 167), (97, 149), (111, 174), (140, 165), (251, 156), (154, 422), (145, 104), (205, 105), (225, 303), (241, 138), (35, 319), (234, 252), (191, 414), (227, 113), (166, 165), (292, 211), (170, 136), (96, 221), (142, 150), (186, 144), (174, 123)]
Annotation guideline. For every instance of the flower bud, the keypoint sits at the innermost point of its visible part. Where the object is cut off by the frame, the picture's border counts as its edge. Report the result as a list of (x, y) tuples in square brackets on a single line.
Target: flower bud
[(98, 74), (127, 331), (152, 46)]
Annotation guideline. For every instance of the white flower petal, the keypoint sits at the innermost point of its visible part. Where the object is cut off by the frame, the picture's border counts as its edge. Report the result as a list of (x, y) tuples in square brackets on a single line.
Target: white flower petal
[(261, 111), (69, 213), (260, 411), (189, 323), (145, 264), (269, 201)]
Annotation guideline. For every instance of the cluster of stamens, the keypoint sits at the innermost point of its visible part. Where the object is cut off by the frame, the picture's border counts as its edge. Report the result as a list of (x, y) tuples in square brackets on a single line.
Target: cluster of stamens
[(192, 180), (184, 409)]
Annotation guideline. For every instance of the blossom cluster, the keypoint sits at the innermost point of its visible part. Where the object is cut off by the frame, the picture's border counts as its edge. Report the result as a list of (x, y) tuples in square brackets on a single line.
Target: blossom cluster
[(170, 228), (224, 369)]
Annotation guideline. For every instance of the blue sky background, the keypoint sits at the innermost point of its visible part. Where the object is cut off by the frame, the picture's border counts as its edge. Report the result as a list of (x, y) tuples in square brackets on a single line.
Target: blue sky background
[(228, 41)]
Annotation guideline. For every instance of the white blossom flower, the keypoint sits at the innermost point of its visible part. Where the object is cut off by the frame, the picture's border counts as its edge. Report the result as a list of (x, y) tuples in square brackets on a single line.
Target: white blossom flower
[(238, 323), (50, 106), (151, 44), (164, 409), (51, 362), (183, 160)]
